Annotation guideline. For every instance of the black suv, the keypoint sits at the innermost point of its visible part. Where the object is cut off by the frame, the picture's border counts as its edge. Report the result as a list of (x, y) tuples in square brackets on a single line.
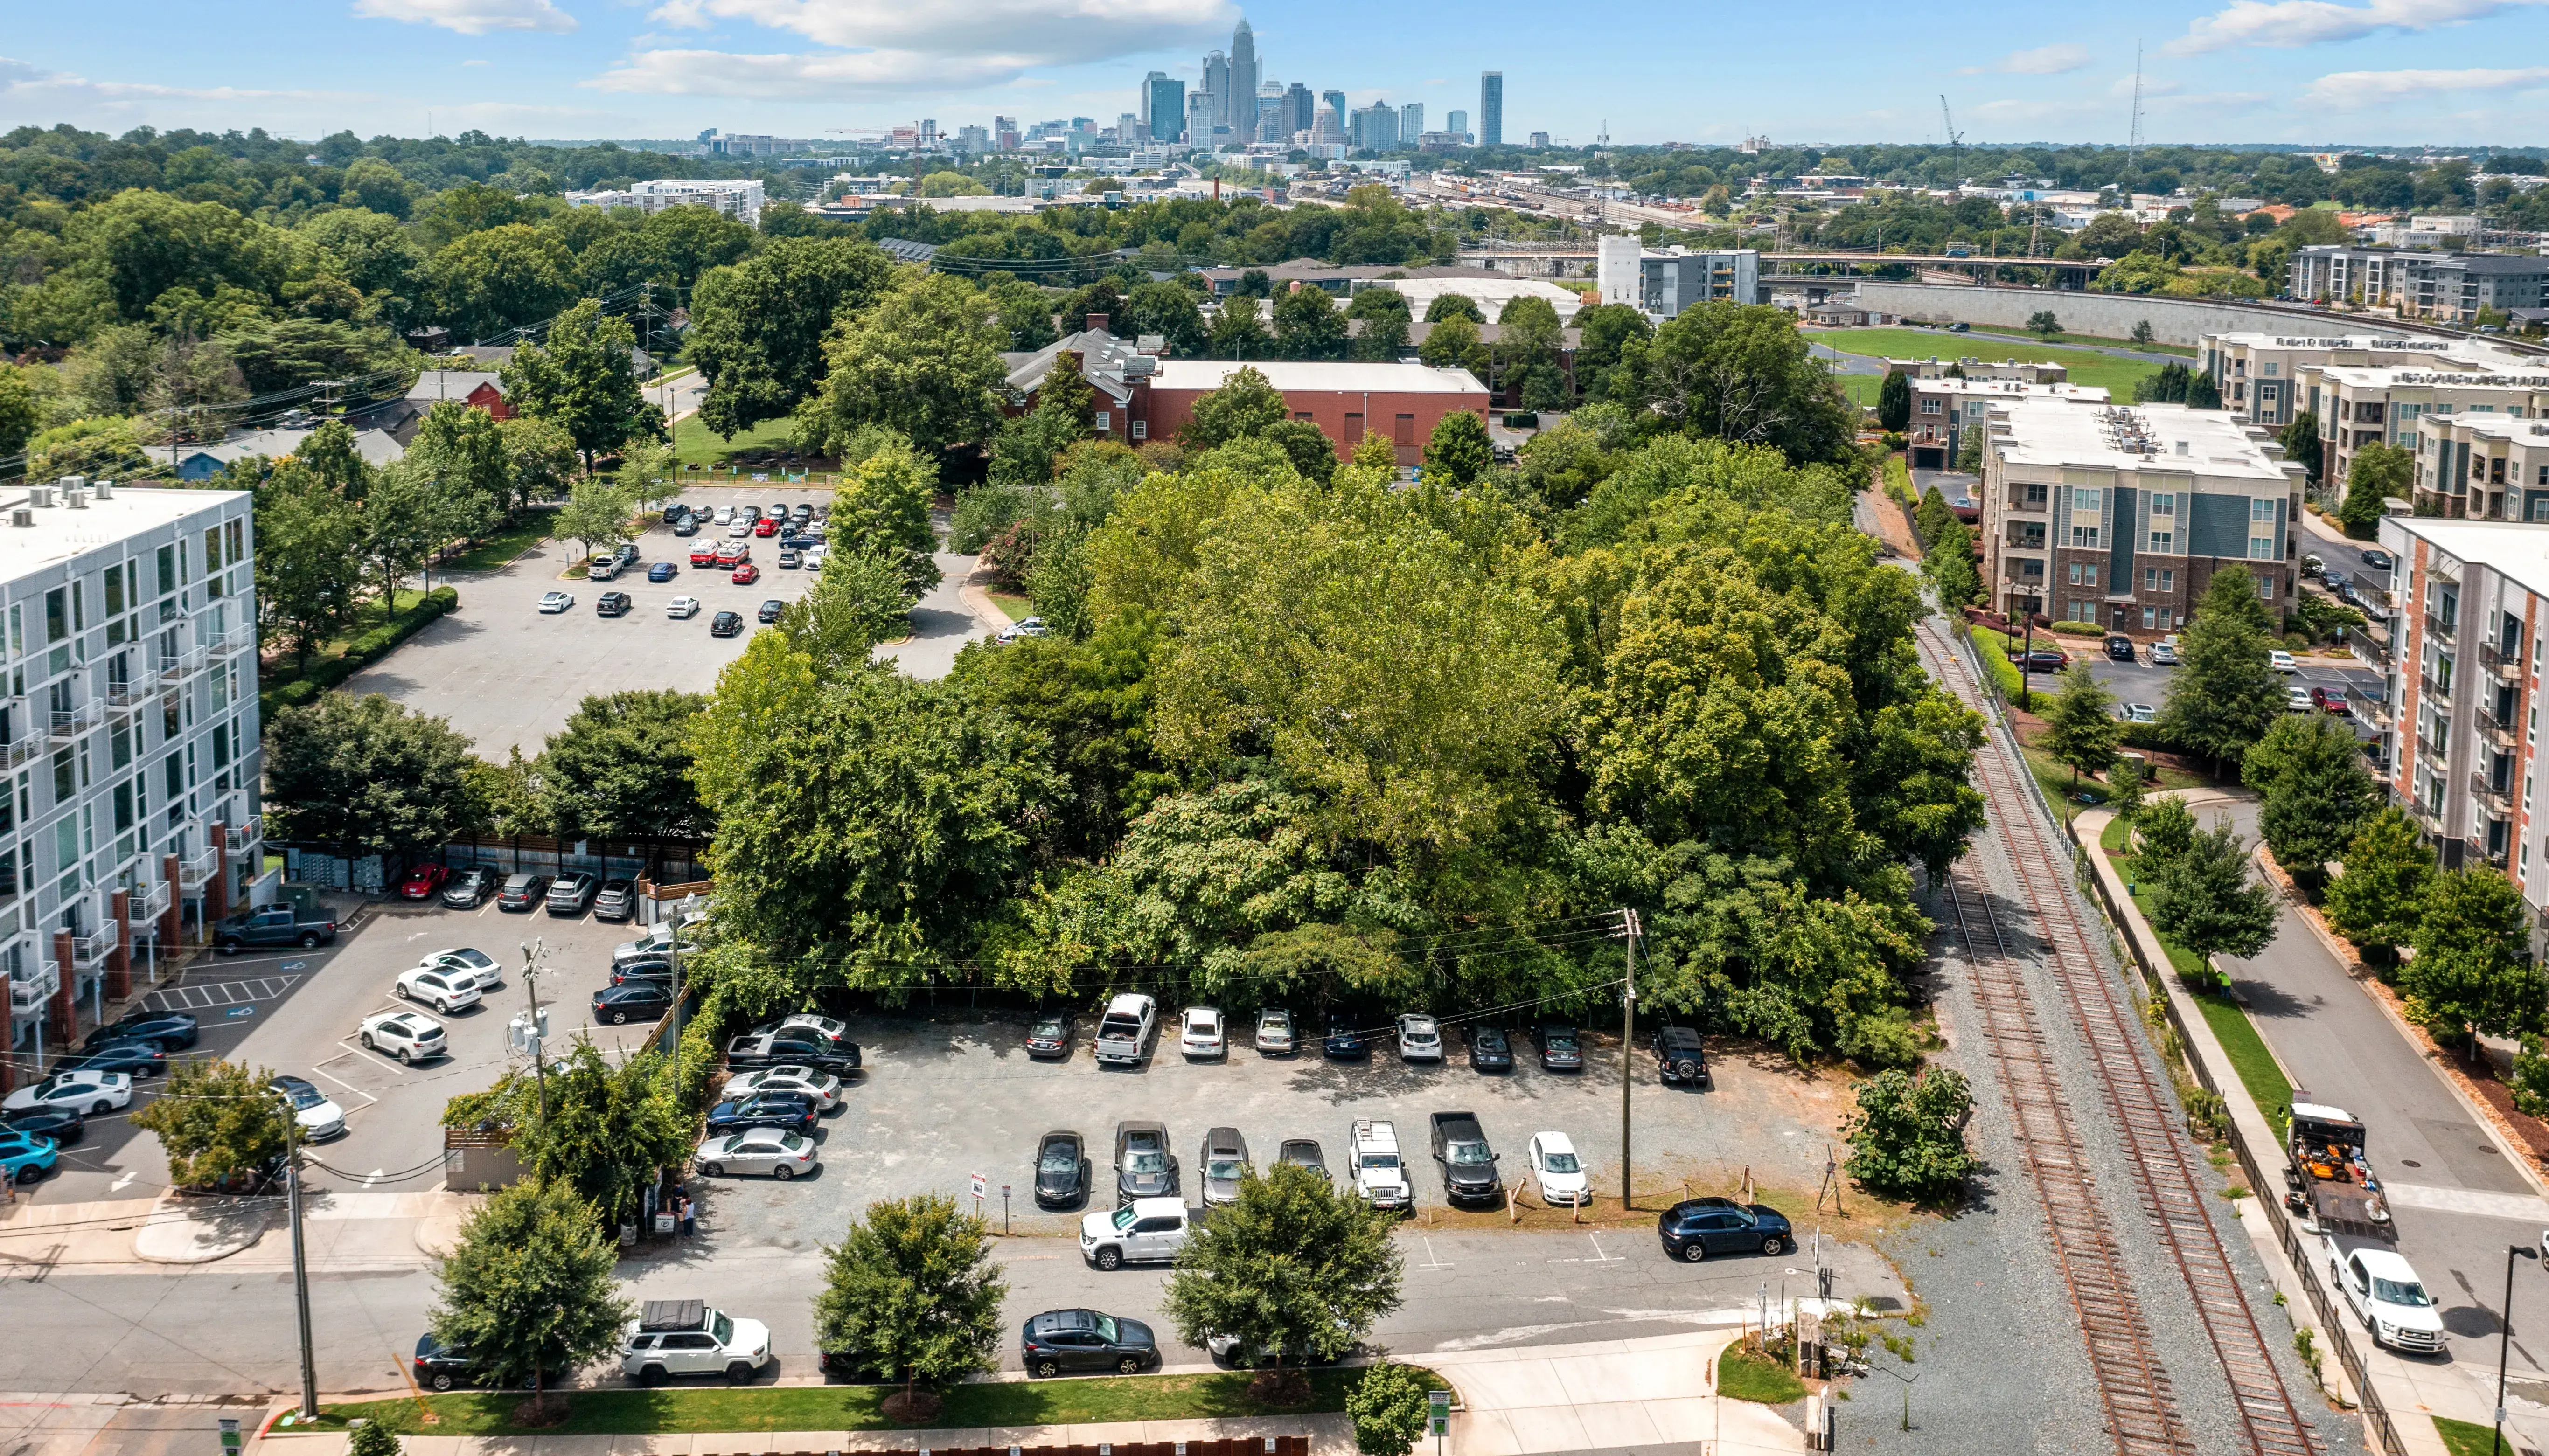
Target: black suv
[(572, 893), (613, 604), (1679, 1057), (1084, 1339), (1720, 1226), (1469, 1165), (725, 624)]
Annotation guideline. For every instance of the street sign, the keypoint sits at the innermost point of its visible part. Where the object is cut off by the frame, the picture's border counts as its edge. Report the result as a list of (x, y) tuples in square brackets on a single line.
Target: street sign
[(982, 1187), (230, 1437), (1439, 1413)]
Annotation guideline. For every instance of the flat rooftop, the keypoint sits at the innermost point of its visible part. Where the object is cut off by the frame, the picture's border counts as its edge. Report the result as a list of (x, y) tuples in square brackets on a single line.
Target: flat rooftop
[(2010, 389), (2514, 549), (2053, 434), (61, 533), (2502, 426), (2457, 375), (1311, 377)]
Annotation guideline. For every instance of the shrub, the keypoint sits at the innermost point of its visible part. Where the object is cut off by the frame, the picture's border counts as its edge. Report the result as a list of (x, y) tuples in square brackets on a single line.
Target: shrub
[(1908, 1140), (1388, 1410), (2078, 630), (1894, 439)]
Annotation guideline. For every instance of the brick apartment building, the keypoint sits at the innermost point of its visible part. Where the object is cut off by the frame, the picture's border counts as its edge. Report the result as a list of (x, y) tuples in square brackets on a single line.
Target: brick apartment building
[(1944, 409)]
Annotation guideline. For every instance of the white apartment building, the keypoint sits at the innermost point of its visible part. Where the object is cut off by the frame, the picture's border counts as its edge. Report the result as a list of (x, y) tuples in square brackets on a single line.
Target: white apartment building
[(2121, 515), (2482, 467), (2358, 405), (2363, 386), (1664, 283), (739, 199), (1947, 409), (129, 736)]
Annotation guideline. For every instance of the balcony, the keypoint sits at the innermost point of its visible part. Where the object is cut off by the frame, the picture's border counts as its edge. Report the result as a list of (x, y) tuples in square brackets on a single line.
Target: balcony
[(2441, 628), (69, 723), (2502, 735), (239, 839), (2372, 707), (186, 665), (28, 993), (148, 904), (232, 643), (91, 950), (2479, 851), (2370, 648), (2505, 665), (2436, 690), (2489, 793), (194, 872), (129, 695)]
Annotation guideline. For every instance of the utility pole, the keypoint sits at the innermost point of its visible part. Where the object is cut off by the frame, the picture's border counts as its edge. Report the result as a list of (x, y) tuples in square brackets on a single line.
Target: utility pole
[(533, 953), (1628, 1040), (2504, 1336), (300, 1264)]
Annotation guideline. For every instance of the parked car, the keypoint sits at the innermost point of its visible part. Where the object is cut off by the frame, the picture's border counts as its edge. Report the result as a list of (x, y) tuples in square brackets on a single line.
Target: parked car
[(2282, 660), (1694, 1229), (136, 1060), (822, 1087), (656, 967), (317, 1113), (704, 554), (1050, 1036), (662, 572), (2379, 560), (1557, 1170), (484, 967), (2383, 1291), (1489, 1050), (91, 1094), (613, 604), (789, 559), (732, 555), (1559, 1049), (766, 526), (441, 1367), (1059, 1341), (671, 1337), (1380, 1175), (24, 1156), (791, 1111), (2136, 712), (725, 624), (682, 608), (2331, 700), (445, 991), (274, 924), (2120, 648), (1029, 627), (1060, 1169), (423, 881), (1345, 1040), (2298, 701), (779, 1154), (1147, 1231), (470, 887), (1274, 1032), (523, 890), (660, 936), (172, 1030), (1467, 1162), (1304, 1153), (1420, 1037), (772, 610), (2041, 660), (775, 1048), (687, 525), (553, 602), (64, 1125), (634, 1000), (1224, 1161), (1124, 1031), (746, 574), (1199, 1032), (1680, 1056), (2163, 654), (409, 1035), (1144, 1165), (572, 893), (616, 900)]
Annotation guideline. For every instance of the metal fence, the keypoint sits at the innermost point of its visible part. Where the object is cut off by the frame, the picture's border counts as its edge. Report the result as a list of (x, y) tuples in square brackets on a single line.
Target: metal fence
[(667, 862)]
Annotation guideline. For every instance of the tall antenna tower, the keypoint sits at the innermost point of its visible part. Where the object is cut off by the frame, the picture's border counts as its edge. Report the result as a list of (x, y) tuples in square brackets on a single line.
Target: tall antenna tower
[(2133, 144)]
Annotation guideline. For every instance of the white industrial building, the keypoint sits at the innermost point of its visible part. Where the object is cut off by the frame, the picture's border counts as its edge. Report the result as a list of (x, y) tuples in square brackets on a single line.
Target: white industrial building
[(739, 199)]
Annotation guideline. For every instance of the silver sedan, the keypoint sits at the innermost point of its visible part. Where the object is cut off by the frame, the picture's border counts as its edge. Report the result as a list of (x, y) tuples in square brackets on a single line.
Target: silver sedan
[(781, 1155)]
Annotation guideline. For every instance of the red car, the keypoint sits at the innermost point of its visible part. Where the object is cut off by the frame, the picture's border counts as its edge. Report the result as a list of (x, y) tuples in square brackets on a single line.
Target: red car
[(704, 554), (765, 526), (2332, 703), (421, 881), (746, 574)]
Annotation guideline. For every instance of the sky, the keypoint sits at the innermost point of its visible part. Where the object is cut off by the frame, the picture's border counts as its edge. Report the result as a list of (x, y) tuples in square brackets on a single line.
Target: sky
[(2401, 72)]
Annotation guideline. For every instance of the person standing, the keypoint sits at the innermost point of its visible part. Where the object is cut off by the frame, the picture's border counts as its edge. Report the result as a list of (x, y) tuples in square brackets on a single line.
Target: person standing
[(689, 1218)]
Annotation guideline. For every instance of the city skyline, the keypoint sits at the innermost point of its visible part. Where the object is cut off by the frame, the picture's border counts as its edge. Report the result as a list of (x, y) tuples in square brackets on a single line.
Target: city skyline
[(2215, 70)]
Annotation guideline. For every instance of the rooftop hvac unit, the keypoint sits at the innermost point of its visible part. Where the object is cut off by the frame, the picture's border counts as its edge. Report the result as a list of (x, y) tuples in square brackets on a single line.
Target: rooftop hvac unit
[(106, 489), (74, 498), (22, 516), (40, 496)]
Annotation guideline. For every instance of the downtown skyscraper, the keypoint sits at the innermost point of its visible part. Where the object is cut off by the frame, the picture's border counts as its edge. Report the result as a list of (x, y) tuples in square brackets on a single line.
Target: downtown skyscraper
[(1241, 99)]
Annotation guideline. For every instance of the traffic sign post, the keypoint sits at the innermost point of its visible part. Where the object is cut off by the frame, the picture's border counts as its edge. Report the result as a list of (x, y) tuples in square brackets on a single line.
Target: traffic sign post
[(230, 1437), (981, 1190), (1438, 1417)]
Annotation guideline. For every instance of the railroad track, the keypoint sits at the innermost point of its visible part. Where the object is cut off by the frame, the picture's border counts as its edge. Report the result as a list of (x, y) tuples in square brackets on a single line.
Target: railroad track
[(2167, 1174)]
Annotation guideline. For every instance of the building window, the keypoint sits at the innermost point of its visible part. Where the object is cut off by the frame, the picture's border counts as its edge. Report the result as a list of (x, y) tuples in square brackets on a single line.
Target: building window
[(2036, 494), (2087, 500), (1354, 428), (2150, 618), (2163, 541), (2163, 503), (2261, 508), (2265, 588), (1141, 429), (2261, 548), (1929, 406), (2085, 537), (1103, 421)]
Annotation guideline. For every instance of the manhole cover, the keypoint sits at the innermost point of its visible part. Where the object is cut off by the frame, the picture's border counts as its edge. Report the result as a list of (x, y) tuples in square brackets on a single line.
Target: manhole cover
[(2409, 1162)]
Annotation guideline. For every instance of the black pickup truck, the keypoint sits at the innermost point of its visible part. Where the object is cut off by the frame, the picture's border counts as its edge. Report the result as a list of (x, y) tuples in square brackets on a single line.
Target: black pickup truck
[(275, 925), (1469, 1165)]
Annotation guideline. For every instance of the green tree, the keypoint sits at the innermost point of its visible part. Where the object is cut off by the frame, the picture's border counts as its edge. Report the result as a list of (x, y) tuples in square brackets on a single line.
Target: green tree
[(1309, 325), (406, 519), (923, 362), (598, 515), (1602, 332), (2042, 321), (2310, 769), (2300, 440), (1161, 307), (1894, 401), (23, 393), (1024, 309), (2080, 725), (499, 278), (1528, 342), (528, 1288), (1385, 315), (2141, 333), (2380, 900), (886, 502), (2378, 473), (216, 1121), (2226, 693), (1906, 1139), (1307, 446), (757, 326), (1454, 343), (1447, 306), (460, 449), (1459, 451), (309, 564), (2125, 785), (861, 597), (1931, 514), (2208, 901), (1239, 331), (2164, 830), (911, 1290), (1949, 566), (1247, 403), (1738, 372), (2471, 976), (369, 775), (584, 377), (2202, 393), (1293, 1268), (331, 454), (1390, 1406), (540, 458), (620, 769)]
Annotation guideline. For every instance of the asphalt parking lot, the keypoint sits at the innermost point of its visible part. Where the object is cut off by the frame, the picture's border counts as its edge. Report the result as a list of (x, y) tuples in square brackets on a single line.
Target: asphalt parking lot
[(508, 675)]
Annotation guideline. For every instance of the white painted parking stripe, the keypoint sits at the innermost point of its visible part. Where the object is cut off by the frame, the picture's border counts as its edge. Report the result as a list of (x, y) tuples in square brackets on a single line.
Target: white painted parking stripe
[(219, 994)]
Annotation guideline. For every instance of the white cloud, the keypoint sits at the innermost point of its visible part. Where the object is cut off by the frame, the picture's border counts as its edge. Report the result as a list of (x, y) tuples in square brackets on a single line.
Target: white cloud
[(724, 73), (1045, 31), (472, 17), (2353, 90), (29, 84), (2289, 24), (2044, 60)]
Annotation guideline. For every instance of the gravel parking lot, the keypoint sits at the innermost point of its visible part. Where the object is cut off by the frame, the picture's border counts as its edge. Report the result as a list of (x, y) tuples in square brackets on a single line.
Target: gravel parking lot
[(509, 675)]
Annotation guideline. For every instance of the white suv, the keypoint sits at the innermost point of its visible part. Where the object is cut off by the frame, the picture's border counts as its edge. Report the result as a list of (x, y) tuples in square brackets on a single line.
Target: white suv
[(1202, 1034), (1147, 1230), (442, 990), (686, 1337)]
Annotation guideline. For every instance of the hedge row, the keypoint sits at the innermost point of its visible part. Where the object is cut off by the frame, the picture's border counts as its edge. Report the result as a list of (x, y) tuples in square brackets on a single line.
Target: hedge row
[(327, 671)]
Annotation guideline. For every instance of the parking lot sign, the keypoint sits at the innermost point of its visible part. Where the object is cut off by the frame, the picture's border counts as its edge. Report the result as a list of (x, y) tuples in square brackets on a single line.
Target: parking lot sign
[(981, 1188), (230, 1437)]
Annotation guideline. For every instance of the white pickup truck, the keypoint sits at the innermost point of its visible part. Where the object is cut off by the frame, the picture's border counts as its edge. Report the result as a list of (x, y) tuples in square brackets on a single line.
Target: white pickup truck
[(2384, 1293), (1380, 1173), (1125, 1033)]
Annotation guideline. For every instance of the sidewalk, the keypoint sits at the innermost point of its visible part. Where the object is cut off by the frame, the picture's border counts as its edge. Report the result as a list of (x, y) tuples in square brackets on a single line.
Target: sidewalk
[(1619, 1394), (344, 1232), (1330, 1436)]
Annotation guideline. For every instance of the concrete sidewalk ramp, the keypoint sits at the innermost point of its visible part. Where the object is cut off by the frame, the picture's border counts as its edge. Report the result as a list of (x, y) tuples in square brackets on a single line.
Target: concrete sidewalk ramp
[(1644, 1395)]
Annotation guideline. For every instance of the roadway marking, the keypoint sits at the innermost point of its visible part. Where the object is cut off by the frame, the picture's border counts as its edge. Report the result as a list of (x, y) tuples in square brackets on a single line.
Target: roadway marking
[(221, 994), (2522, 1207), (1432, 1260), (1599, 1257)]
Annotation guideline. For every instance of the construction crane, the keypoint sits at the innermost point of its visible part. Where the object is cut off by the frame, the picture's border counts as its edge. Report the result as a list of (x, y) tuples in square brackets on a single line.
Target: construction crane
[(1955, 142)]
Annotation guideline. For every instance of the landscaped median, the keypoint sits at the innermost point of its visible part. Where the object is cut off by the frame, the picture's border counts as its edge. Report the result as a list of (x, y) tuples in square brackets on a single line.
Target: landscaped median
[(1010, 1402), (290, 683)]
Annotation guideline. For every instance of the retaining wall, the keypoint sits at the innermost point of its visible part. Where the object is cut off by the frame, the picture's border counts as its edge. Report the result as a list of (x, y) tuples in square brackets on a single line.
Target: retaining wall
[(2111, 314)]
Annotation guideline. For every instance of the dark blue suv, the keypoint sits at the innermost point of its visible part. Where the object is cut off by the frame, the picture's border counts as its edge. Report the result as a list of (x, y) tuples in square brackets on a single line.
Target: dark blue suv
[(1702, 1227)]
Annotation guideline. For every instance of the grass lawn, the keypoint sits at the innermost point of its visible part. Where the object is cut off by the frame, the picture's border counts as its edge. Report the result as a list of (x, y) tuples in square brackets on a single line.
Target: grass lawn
[(694, 443), (1898, 479), (698, 1408), (2468, 1437), (2267, 1087), (1019, 607), (500, 549), (1747, 1375), (2067, 336), (2116, 375), (1863, 389)]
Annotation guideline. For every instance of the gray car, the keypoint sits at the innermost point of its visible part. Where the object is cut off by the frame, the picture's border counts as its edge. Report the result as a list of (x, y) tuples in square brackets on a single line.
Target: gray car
[(1144, 1166), (1304, 1153), (1225, 1162)]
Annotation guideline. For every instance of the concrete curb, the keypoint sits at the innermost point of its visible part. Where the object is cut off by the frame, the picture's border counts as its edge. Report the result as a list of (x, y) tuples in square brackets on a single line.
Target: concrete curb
[(188, 1240)]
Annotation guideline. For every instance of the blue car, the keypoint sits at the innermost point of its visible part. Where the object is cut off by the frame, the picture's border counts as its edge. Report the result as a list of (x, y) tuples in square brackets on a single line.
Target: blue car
[(24, 1156), (140, 1058), (662, 571)]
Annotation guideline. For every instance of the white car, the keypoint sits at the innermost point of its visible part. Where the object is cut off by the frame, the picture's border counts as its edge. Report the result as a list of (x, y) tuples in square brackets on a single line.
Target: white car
[(1419, 1038), (557, 601), (2138, 712), (1030, 627), (672, 1337), (2389, 1297), (1147, 1230), (1558, 1171), (445, 991), (1274, 1032), (90, 1094), (2282, 660), (2164, 653), (682, 608), (409, 1035), (739, 531), (319, 1117), (1199, 1032), (815, 555), (779, 1154), (823, 1087), (725, 516), (484, 968), (2298, 701)]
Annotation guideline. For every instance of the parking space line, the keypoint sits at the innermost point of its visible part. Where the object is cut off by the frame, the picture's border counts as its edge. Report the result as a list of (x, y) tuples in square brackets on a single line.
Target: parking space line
[(220, 995), (374, 1058), (368, 1097), (1432, 1260)]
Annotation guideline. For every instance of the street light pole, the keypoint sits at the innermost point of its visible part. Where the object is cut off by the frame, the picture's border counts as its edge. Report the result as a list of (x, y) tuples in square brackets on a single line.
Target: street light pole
[(1627, 1037), (2504, 1337), (301, 1265)]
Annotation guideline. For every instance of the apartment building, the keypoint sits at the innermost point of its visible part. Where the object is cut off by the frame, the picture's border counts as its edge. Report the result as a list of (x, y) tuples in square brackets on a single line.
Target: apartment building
[(739, 200), (2449, 285), (2356, 406), (2120, 514), (1946, 409), (2255, 372), (2482, 467), (129, 736), (2024, 371), (1666, 283)]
